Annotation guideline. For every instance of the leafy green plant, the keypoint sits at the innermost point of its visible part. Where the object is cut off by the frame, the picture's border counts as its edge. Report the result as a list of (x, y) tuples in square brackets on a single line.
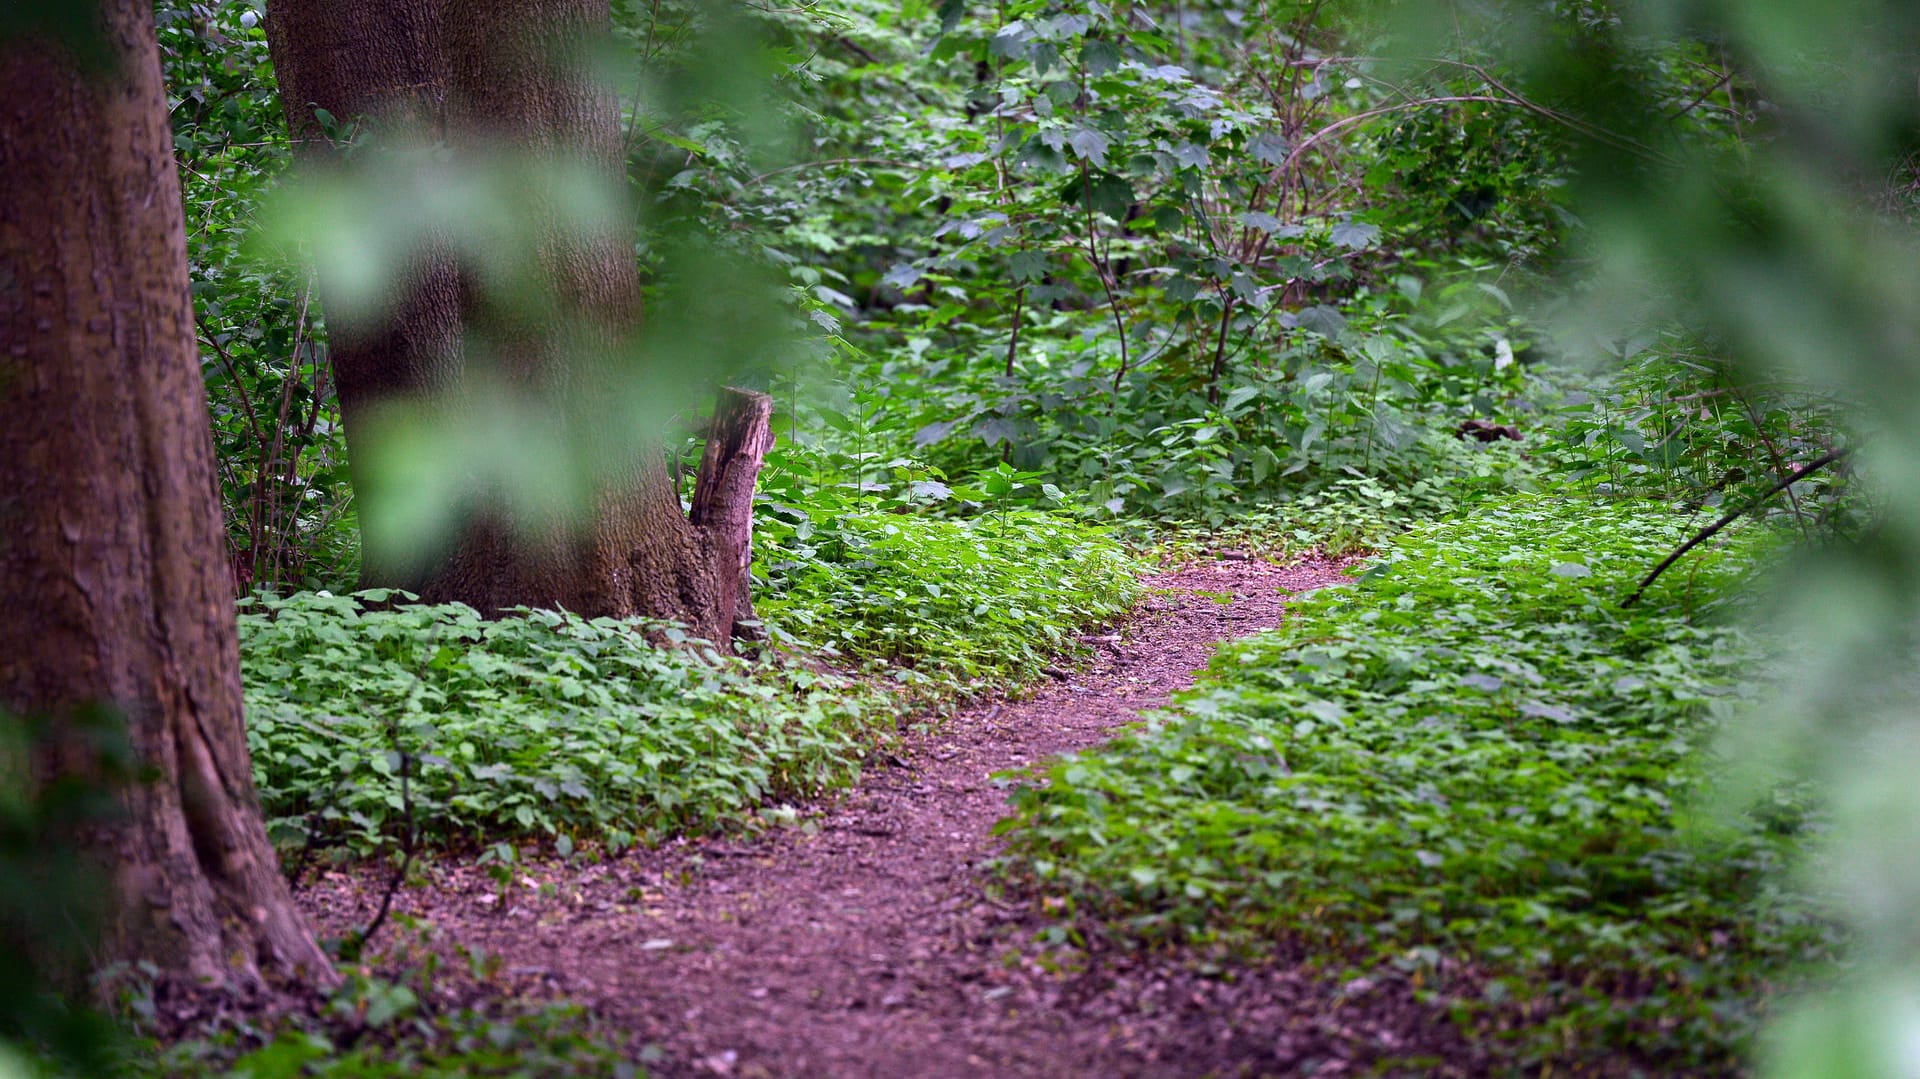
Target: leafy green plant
[(538, 725), (408, 1013), (951, 604), (276, 428), (545, 725), (1473, 752)]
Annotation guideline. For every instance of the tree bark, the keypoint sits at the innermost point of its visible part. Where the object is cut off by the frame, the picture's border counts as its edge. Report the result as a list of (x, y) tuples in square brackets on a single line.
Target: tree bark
[(377, 64), (513, 73), (111, 559), (723, 498)]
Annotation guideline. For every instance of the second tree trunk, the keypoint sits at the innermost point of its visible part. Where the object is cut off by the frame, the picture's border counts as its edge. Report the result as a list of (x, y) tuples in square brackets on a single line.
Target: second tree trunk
[(512, 73)]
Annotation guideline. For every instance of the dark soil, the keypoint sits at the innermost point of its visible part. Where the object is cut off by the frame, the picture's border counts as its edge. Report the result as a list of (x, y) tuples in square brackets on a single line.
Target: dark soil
[(873, 942)]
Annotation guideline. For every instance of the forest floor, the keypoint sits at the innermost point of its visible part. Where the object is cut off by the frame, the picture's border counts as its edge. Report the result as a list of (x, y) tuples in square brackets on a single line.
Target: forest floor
[(874, 941)]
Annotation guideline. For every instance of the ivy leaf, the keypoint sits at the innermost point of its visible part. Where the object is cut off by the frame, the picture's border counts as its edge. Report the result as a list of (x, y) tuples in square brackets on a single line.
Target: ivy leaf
[(935, 432), (1323, 320), (1042, 152), (1043, 55), (1027, 265), (1011, 40), (1191, 155), (1070, 25), (996, 429)]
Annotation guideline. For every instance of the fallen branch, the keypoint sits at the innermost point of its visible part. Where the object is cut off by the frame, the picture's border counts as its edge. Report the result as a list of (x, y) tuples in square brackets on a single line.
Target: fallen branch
[(1713, 529)]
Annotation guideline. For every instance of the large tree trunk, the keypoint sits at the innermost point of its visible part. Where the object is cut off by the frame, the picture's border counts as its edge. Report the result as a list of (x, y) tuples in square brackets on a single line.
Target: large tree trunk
[(513, 73), (110, 555)]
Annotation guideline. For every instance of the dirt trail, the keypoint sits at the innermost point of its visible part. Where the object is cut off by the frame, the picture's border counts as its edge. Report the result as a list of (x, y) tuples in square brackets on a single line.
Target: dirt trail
[(870, 947)]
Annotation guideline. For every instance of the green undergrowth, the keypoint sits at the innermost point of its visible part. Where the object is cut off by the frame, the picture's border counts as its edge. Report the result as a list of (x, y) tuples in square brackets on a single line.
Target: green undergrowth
[(953, 604), (550, 1042), (377, 1030), (420, 1008), (1351, 514), (1473, 753), (368, 719), (536, 724)]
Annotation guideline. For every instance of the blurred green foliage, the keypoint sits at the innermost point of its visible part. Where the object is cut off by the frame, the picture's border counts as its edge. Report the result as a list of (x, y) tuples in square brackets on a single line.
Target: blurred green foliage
[(1781, 235), (51, 900)]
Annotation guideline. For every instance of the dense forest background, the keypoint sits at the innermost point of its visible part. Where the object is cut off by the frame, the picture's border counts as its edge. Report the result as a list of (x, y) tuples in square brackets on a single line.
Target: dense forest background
[(1512, 299)]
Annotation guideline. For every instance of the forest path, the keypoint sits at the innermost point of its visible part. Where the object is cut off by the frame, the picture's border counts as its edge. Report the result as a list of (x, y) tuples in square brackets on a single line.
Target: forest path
[(870, 946)]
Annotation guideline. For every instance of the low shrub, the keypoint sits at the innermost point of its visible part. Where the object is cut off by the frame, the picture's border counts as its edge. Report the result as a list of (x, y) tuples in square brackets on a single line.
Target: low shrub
[(421, 1008)]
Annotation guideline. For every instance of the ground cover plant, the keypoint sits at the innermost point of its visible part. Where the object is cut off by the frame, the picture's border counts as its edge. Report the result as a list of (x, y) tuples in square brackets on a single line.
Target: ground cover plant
[(372, 719), (367, 724), (1473, 754), (412, 1008), (963, 604)]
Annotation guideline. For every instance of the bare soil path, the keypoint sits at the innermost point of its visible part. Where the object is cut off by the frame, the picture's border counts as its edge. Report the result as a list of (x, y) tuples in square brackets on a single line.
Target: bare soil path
[(871, 944)]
